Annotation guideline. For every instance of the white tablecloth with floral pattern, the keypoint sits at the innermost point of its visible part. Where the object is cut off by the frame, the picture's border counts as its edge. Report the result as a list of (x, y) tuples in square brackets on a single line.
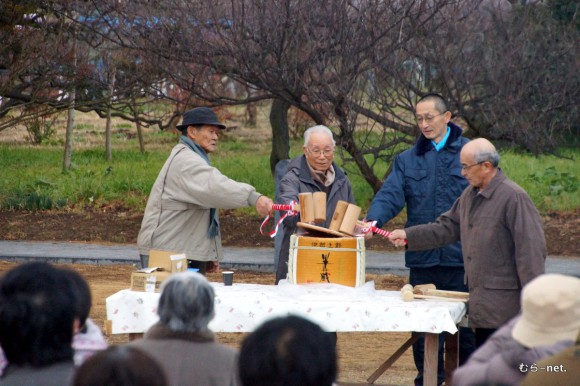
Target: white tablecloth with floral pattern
[(243, 307)]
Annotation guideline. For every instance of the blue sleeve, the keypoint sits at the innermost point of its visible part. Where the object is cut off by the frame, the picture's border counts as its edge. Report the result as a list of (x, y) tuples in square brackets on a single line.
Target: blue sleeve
[(390, 199)]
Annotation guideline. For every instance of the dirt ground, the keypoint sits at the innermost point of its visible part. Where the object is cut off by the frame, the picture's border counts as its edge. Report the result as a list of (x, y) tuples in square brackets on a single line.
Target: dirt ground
[(359, 353), (113, 224)]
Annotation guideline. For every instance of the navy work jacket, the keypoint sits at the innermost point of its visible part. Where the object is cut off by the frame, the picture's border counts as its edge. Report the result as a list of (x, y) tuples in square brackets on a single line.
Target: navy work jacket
[(429, 182)]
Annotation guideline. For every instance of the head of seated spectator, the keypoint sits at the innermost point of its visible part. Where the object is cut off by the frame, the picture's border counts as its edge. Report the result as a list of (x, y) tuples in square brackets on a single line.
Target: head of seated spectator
[(550, 311), (37, 315), (88, 338), (84, 299), (186, 303), (120, 366), (288, 351), (182, 342)]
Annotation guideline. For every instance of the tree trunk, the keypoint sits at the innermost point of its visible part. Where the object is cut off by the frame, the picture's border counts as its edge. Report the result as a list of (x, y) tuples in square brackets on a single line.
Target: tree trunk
[(251, 109), (108, 150), (138, 124), (280, 136), (69, 132), (67, 159)]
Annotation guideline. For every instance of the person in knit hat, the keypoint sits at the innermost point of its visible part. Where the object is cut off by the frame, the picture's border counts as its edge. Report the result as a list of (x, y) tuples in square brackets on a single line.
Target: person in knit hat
[(549, 323)]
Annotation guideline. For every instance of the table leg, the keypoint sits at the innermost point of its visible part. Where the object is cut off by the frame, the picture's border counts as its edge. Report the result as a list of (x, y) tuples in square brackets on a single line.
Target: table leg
[(431, 359), (392, 359), (135, 335), (451, 355)]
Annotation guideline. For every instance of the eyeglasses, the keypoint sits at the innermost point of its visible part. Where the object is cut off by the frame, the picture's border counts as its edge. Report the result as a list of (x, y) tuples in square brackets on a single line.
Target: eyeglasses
[(428, 118), (465, 167), (317, 152)]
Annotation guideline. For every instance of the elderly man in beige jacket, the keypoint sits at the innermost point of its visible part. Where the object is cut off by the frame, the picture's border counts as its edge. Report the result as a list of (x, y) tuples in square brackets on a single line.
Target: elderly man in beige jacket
[(182, 211)]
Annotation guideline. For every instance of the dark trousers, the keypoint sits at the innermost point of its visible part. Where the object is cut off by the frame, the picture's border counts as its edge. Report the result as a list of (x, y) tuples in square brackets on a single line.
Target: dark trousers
[(144, 261), (449, 279), (481, 335)]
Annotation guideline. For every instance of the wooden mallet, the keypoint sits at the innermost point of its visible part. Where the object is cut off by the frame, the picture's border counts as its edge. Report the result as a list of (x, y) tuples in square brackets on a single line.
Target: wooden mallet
[(408, 293)]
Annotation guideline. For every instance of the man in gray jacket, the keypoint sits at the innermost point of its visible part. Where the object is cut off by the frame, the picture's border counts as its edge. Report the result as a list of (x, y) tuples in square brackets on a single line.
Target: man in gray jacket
[(501, 235), (182, 211), (314, 171)]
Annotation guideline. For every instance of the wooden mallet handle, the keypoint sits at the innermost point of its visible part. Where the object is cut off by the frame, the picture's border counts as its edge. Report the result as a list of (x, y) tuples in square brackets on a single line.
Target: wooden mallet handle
[(319, 199), (350, 219), (338, 215), (306, 207)]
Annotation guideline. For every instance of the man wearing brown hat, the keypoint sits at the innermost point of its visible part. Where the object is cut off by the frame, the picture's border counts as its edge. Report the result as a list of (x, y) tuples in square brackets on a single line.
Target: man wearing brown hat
[(182, 211)]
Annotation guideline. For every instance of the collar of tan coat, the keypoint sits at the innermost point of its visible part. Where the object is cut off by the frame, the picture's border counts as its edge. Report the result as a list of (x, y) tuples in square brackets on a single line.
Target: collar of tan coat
[(161, 331)]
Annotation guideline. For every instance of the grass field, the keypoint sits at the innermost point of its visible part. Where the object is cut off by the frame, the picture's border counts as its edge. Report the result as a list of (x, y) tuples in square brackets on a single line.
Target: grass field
[(32, 176)]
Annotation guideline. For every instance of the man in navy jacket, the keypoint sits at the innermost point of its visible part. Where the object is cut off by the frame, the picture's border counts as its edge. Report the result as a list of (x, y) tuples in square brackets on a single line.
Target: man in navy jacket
[(427, 178)]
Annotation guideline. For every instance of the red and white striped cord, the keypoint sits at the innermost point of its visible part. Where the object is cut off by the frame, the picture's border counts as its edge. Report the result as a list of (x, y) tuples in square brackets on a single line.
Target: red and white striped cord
[(382, 232), (288, 208), (379, 231)]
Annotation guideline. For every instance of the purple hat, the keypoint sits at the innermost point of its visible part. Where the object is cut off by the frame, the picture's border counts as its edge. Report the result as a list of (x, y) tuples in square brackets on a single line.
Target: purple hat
[(200, 116)]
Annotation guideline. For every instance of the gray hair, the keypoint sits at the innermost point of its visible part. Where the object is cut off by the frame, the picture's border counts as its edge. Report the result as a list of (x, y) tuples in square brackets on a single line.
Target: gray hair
[(318, 129), (489, 155), (186, 303)]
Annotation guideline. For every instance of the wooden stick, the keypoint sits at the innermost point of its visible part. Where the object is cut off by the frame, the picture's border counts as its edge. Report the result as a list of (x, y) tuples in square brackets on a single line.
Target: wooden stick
[(350, 219), (319, 199), (441, 298), (451, 294), (338, 215), (306, 207), (408, 294), (422, 288)]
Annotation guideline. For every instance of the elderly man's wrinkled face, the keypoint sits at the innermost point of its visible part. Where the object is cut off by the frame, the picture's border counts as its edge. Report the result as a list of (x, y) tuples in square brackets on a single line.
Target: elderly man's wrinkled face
[(319, 152), (206, 137), (472, 171)]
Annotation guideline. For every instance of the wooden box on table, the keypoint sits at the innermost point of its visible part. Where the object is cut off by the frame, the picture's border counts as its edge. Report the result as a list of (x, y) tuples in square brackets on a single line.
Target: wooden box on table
[(337, 260)]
